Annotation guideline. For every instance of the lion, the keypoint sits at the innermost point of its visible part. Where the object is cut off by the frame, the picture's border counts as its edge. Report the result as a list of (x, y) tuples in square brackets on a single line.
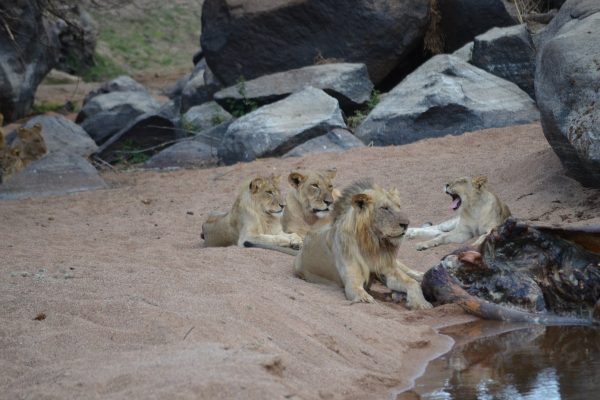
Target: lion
[(10, 160), (310, 201), (479, 211), (363, 238), (31, 143), (255, 216)]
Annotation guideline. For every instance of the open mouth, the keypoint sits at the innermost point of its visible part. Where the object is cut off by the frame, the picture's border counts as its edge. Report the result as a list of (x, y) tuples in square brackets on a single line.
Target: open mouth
[(456, 201)]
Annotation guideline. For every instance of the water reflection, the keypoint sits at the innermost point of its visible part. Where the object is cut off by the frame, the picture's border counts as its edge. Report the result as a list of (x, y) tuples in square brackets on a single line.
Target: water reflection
[(498, 361)]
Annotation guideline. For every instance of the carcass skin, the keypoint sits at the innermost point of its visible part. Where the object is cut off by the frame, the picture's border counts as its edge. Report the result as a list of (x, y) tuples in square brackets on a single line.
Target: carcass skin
[(524, 273)]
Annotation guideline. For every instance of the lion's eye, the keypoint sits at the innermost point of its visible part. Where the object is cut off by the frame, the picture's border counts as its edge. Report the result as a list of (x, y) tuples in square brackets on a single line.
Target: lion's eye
[(270, 193), (385, 208), (314, 186)]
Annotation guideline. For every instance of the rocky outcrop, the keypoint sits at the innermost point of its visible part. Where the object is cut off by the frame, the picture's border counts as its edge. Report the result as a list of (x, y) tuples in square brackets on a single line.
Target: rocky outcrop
[(139, 139), (567, 86), (462, 20), (252, 38), (275, 129), (336, 140), (56, 174), (205, 116), (200, 87), (507, 53), (199, 151), (28, 49), (348, 83), (121, 83), (106, 114), (445, 96), (77, 37)]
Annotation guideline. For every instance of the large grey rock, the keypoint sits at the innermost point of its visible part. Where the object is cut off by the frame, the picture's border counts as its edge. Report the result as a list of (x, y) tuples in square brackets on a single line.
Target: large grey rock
[(56, 174), (141, 138), (77, 34), (336, 140), (200, 87), (205, 116), (121, 83), (252, 38), (199, 151), (275, 129), (348, 83), (28, 49), (445, 96), (462, 20), (106, 114), (567, 83), (61, 134), (464, 53), (507, 53)]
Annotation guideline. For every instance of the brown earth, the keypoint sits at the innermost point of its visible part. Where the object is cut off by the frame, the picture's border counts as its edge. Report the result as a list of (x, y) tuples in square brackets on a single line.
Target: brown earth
[(109, 294)]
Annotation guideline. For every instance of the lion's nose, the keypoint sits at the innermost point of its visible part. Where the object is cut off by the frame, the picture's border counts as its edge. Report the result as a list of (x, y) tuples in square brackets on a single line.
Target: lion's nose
[(404, 225), (282, 205), (327, 202)]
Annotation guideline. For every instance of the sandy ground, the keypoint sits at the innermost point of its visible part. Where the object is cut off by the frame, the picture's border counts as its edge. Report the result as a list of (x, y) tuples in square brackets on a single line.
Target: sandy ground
[(135, 308)]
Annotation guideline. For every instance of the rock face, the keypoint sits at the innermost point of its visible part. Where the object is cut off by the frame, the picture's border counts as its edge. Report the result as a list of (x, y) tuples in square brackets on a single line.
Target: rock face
[(462, 20), (507, 53), (106, 114), (56, 174), (60, 134), (445, 96), (275, 129), (205, 116), (252, 38), (567, 83), (199, 88), (121, 83), (77, 36), (142, 137), (348, 83), (27, 53), (334, 141)]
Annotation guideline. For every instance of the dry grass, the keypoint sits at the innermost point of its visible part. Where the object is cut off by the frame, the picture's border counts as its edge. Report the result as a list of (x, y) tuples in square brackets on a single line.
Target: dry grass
[(434, 37)]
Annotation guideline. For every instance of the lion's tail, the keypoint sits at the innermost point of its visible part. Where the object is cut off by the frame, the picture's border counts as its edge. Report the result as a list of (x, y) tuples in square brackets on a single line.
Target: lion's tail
[(285, 250)]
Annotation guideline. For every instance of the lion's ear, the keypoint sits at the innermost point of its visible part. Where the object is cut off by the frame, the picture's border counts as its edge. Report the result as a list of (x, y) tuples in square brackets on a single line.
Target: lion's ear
[(256, 184), (330, 173), (295, 179), (479, 181), (361, 200)]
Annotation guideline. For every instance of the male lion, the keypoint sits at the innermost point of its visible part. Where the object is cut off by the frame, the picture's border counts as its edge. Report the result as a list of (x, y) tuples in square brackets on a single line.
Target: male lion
[(479, 212), (310, 201), (255, 217), (367, 229)]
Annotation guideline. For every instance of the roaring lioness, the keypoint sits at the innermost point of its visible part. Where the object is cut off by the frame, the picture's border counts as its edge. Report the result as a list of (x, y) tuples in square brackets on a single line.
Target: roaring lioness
[(310, 201), (367, 229), (255, 217), (479, 211)]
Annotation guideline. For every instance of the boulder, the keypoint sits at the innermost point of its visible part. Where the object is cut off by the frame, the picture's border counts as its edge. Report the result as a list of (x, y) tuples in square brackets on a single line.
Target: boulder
[(199, 151), (121, 83), (200, 87), (275, 129), (252, 38), (507, 53), (63, 135), (464, 53), (348, 83), (445, 96), (140, 139), (106, 114), (205, 116), (336, 140), (567, 87), (28, 49), (175, 91), (462, 20), (56, 174)]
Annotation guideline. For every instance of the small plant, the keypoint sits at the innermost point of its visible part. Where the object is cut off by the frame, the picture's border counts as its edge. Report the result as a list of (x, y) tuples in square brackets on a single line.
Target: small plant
[(104, 69), (188, 126), (217, 119), (359, 115), (237, 108), (132, 153), (46, 106)]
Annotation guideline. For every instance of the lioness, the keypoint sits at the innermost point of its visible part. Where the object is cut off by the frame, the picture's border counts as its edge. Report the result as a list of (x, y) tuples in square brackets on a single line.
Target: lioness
[(10, 162), (310, 201), (255, 216), (31, 143), (479, 211), (367, 229)]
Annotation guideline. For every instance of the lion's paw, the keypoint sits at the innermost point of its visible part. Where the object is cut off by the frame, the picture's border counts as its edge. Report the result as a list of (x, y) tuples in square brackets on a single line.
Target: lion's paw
[(410, 233), (418, 302), (295, 241), (422, 246), (363, 297)]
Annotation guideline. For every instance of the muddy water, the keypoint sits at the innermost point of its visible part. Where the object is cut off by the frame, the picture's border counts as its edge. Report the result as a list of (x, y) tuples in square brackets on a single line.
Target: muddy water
[(492, 360)]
